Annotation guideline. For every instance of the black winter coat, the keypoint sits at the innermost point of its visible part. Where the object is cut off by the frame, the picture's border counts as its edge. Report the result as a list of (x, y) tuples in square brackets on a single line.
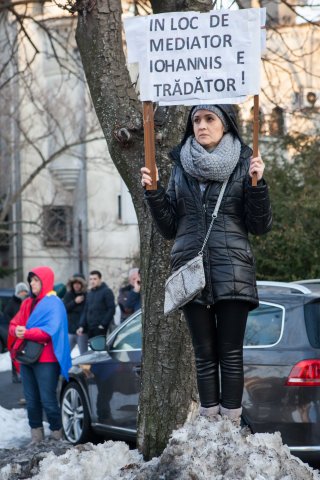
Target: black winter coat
[(99, 308), (74, 310), (184, 214), (12, 308)]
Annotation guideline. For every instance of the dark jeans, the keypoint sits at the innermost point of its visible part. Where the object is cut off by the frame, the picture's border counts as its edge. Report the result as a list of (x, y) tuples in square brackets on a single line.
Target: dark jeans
[(217, 334), (40, 382)]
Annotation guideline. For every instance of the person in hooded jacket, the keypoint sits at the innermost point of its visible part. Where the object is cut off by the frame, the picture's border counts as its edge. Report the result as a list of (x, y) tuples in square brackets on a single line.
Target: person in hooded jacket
[(99, 307), (211, 152), (21, 292), (74, 301), (42, 318)]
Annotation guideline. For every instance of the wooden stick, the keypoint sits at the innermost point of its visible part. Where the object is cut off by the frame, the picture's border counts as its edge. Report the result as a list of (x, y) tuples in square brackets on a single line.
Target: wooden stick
[(255, 133), (149, 143)]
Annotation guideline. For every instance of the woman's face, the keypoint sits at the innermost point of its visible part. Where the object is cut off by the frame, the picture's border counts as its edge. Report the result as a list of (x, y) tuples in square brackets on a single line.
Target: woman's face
[(208, 128), (77, 286), (36, 285)]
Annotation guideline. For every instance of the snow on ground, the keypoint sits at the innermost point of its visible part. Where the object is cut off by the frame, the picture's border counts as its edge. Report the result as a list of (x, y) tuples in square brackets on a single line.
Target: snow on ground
[(202, 450), (14, 428), (5, 362)]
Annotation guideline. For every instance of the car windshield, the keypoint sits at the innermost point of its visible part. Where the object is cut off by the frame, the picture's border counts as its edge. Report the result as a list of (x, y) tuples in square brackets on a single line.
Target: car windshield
[(129, 337)]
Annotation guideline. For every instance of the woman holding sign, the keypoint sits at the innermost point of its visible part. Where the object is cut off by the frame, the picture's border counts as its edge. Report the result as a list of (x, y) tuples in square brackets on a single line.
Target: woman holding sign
[(212, 152)]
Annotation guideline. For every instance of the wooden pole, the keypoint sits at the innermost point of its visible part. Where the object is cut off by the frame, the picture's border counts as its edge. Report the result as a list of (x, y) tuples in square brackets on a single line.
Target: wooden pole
[(149, 143), (255, 133)]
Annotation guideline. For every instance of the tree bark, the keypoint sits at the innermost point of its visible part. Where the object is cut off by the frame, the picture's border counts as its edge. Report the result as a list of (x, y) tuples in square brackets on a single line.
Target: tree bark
[(167, 382)]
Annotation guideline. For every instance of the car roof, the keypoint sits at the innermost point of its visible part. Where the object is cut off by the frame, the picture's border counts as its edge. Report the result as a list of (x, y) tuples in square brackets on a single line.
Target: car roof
[(312, 283), (286, 292)]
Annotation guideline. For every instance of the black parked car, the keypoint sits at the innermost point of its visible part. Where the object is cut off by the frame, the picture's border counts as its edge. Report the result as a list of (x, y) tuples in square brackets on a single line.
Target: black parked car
[(5, 295), (282, 374)]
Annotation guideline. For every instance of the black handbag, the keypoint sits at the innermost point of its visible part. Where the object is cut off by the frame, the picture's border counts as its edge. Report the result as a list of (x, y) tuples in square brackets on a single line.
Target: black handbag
[(29, 352)]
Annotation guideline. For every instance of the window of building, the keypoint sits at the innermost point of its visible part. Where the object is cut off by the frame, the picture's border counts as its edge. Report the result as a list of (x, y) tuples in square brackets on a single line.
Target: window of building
[(262, 122), (276, 124), (57, 226), (126, 211)]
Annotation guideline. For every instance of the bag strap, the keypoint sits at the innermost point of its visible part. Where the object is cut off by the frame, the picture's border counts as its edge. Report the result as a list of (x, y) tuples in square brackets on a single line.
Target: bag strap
[(214, 214)]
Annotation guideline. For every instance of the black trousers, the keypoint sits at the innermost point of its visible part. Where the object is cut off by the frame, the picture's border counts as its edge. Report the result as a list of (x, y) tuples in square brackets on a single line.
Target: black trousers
[(217, 333)]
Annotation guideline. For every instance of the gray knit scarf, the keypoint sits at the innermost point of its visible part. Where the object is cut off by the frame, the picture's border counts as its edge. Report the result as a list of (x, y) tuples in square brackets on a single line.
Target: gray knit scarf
[(217, 165)]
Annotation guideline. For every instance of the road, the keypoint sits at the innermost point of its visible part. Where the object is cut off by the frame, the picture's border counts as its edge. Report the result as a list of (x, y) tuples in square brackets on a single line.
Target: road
[(10, 393)]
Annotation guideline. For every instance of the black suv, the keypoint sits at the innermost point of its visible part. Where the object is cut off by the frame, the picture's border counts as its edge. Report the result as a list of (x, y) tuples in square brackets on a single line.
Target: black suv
[(282, 374)]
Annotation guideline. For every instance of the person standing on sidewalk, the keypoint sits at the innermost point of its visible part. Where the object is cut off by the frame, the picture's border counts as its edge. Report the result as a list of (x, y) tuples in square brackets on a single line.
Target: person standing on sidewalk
[(74, 301), (99, 308), (12, 308), (43, 319)]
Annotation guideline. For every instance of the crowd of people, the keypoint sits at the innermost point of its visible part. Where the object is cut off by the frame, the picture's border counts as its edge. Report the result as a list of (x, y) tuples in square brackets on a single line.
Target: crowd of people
[(91, 306)]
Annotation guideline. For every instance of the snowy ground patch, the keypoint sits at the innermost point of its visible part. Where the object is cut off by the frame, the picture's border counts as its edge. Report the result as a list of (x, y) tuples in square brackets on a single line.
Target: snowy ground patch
[(201, 450), (5, 362), (15, 430)]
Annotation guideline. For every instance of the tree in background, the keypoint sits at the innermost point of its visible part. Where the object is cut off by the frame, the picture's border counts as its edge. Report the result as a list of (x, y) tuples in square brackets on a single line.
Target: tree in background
[(291, 251)]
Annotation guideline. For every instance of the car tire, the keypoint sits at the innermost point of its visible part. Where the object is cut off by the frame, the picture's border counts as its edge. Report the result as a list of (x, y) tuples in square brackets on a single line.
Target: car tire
[(75, 415)]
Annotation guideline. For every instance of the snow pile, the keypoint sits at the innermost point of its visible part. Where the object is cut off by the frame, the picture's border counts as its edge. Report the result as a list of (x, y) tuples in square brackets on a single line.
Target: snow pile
[(200, 450), (14, 428), (85, 462), (205, 450), (5, 362)]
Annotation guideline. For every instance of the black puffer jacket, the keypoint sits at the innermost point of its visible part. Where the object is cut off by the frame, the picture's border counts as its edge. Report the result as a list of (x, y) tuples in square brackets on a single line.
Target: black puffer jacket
[(99, 308), (74, 309), (184, 214)]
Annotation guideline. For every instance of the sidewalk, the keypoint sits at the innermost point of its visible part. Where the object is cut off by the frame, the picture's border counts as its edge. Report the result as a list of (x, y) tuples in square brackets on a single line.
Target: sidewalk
[(10, 393)]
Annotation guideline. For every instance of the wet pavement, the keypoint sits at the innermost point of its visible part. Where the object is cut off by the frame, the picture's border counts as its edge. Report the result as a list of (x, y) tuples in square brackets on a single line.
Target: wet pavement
[(10, 393)]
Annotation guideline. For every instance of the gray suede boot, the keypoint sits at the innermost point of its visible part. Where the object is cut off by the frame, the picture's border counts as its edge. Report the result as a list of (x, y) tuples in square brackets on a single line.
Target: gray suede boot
[(233, 414), (56, 435), (210, 413), (37, 435)]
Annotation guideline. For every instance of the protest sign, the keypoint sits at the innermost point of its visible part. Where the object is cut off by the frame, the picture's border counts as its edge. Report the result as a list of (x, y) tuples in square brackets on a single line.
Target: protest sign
[(194, 58), (191, 57)]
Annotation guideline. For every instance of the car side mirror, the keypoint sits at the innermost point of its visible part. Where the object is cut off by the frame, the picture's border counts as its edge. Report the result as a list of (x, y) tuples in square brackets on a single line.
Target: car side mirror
[(98, 343)]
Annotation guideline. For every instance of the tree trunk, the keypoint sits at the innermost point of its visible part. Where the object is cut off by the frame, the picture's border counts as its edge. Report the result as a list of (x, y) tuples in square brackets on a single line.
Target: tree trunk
[(167, 383)]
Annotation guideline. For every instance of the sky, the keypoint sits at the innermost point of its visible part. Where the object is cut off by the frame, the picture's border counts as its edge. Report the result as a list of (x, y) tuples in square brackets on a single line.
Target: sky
[(210, 450)]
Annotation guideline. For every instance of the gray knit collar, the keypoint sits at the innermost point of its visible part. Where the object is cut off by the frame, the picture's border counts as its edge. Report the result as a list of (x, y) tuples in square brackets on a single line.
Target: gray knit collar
[(215, 166)]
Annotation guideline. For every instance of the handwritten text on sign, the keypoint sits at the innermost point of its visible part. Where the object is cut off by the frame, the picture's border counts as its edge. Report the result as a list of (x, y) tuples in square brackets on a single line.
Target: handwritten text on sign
[(196, 56)]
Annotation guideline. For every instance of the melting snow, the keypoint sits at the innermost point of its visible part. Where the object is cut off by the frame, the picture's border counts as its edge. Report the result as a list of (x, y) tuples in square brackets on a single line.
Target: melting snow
[(200, 450)]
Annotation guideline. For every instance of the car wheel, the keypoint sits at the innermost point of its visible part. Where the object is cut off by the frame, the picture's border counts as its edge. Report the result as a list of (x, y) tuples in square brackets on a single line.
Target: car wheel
[(75, 415)]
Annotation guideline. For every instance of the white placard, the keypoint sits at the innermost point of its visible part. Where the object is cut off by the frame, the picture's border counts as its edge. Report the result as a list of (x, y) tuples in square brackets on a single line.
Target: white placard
[(191, 57)]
